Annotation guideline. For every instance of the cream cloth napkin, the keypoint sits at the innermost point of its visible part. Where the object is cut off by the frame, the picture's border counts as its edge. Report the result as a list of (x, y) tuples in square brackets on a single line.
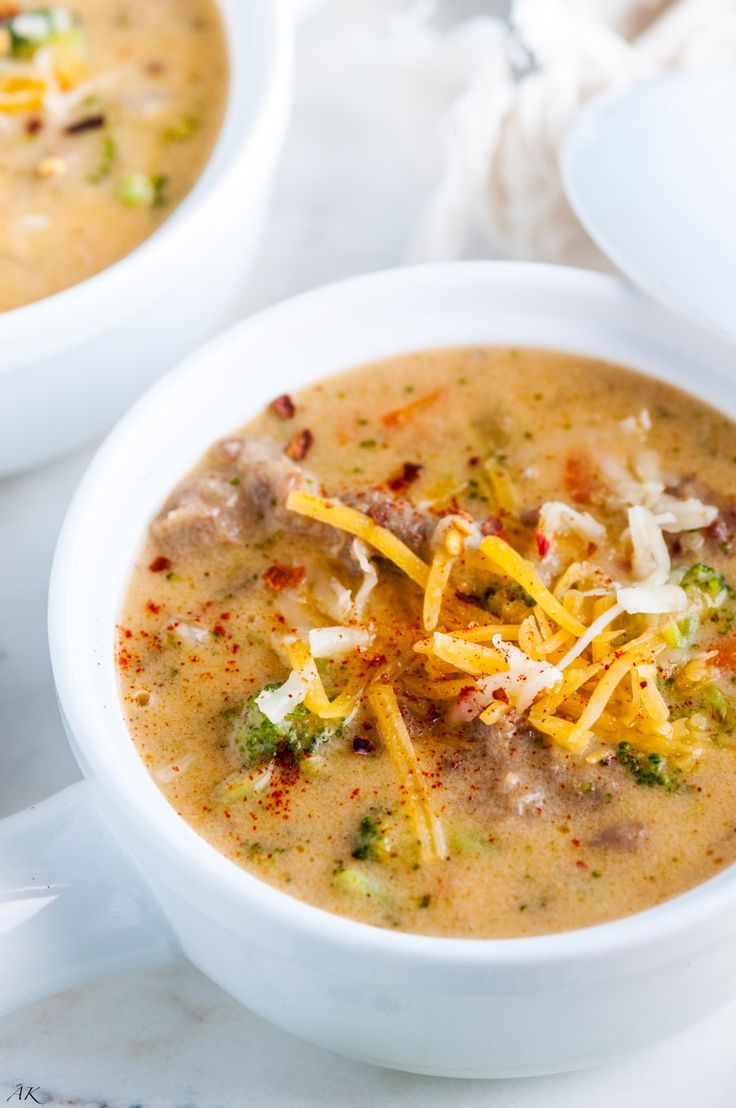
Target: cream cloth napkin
[(526, 80)]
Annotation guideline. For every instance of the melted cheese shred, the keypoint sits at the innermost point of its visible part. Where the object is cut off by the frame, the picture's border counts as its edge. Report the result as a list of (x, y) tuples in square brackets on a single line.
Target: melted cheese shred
[(395, 736), (505, 558), (316, 698), (362, 527)]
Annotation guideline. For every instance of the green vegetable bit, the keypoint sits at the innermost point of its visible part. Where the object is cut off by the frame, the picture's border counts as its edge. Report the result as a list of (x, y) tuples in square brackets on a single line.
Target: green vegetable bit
[(31, 30), (649, 769), (720, 708), (107, 160), (680, 634), (257, 739), (356, 883), (705, 579), (138, 190), (181, 129), (376, 840)]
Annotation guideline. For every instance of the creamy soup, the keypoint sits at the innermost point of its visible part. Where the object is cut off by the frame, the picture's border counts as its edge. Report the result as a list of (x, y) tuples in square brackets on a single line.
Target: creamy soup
[(108, 112), (446, 644)]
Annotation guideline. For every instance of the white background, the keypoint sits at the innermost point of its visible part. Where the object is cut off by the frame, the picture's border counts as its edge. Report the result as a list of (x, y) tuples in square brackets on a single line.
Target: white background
[(360, 159)]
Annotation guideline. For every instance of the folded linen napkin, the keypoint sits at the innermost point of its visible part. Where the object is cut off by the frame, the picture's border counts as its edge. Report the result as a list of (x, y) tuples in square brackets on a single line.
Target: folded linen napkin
[(526, 79)]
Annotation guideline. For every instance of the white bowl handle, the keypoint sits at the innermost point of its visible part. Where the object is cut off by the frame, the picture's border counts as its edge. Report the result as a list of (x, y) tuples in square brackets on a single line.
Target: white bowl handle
[(73, 905)]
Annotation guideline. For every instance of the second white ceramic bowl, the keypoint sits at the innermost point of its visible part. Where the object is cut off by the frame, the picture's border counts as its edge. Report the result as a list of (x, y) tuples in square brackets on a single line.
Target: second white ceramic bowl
[(72, 363), (108, 876)]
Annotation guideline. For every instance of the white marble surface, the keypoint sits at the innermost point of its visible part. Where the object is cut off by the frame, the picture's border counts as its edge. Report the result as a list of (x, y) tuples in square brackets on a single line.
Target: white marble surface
[(360, 159)]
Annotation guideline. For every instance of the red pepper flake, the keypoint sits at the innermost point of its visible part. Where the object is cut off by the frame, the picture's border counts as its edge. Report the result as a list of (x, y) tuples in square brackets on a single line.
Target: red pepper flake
[(224, 615), (542, 544), (298, 448), (493, 526), (575, 842), (159, 564), (279, 576), (581, 864), (408, 475), (154, 609), (354, 793), (235, 648), (474, 461), (284, 407), (643, 684), (218, 630), (33, 126), (499, 694)]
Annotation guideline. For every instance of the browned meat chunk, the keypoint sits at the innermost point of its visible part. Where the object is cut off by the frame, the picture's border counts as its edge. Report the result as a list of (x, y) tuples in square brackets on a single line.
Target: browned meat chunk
[(256, 470), (206, 512), (510, 772), (267, 476), (621, 836), (413, 526)]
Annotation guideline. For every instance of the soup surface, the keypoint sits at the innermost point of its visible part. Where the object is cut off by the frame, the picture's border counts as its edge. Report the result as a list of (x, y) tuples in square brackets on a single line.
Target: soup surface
[(108, 112), (446, 644)]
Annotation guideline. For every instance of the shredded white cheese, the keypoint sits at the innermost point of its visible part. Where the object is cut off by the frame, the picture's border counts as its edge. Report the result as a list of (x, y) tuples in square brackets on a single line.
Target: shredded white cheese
[(524, 679), (651, 599), (685, 515), (555, 517), (328, 642), (277, 703), (596, 628), (637, 425), (370, 577), (650, 557)]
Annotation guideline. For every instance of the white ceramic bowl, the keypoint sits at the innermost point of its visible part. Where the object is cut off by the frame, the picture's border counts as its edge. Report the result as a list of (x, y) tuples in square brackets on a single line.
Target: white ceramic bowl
[(119, 880), (70, 364)]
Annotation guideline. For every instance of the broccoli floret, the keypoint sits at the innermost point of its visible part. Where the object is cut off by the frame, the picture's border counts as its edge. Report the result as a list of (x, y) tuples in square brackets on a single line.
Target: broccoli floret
[(680, 633), (353, 881), (375, 838), (383, 835), (649, 769), (707, 581), (713, 595), (257, 739), (720, 707)]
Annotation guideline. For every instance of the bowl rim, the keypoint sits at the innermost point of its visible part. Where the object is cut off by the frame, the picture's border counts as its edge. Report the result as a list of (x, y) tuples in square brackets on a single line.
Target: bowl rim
[(145, 816), (106, 298)]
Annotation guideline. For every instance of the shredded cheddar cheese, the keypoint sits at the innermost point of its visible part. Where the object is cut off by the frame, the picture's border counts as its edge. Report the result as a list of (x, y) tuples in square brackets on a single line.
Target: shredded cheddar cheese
[(514, 566), (559, 665), (382, 699), (363, 527)]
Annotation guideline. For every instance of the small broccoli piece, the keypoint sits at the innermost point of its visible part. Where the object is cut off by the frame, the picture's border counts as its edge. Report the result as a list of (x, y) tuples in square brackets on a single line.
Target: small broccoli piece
[(472, 842), (181, 128), (711, 584), (31, 30), (138, 190), (719, 707), (649, 769), (257, 739), (712, 594), (353, 881), (375, 839), (680, 633)]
